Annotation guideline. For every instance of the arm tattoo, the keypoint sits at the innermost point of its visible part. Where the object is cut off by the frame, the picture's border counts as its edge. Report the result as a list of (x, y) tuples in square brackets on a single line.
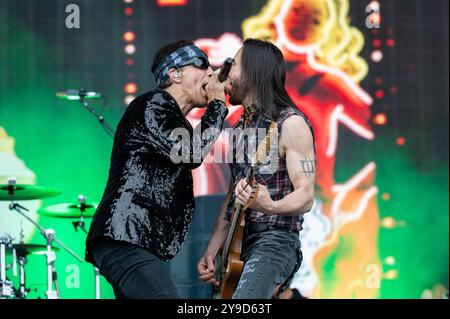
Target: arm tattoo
[(307, 166)]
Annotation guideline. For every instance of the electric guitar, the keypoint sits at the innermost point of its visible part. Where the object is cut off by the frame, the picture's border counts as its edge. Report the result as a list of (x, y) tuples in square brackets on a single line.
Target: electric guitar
[(228, 263)]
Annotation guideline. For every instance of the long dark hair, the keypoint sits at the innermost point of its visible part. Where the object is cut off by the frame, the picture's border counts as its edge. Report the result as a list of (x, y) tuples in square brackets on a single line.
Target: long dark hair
[(264, 71)]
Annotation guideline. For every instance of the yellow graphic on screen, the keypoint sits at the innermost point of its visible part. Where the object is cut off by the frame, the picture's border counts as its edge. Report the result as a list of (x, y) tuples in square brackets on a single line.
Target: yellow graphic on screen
[(12, 166), (318, 25)]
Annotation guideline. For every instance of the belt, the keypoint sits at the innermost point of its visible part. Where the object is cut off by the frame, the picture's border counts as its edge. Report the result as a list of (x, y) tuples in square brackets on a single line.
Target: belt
[(253, 227)]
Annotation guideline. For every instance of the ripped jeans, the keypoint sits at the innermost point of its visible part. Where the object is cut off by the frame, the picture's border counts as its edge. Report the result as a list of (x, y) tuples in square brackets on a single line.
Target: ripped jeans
[(271, 256)]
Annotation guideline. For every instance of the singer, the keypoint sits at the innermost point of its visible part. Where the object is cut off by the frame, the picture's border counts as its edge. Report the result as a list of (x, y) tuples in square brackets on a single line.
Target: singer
[(270, 243), (148, 204)]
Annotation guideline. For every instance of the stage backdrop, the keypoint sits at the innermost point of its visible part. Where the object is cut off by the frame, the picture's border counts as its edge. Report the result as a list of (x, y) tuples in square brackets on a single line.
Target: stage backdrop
[(371, 75)]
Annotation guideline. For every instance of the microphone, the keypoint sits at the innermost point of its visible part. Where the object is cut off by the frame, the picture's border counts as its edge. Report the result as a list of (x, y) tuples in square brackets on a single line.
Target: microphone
[(225, 69), (82, 95), (72, 94)]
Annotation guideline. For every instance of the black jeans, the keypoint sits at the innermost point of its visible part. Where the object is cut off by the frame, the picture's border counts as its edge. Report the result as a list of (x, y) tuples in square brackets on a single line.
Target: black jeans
[(134, 272)]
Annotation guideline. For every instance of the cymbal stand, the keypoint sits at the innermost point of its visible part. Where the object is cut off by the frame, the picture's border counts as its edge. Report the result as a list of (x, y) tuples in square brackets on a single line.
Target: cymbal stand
[(22, 293), (49, 235), (97, 283), (80, 223), (5, 285)]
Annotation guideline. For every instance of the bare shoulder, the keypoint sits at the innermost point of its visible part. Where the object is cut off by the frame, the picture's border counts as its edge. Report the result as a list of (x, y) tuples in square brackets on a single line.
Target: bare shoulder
[(295, 133)]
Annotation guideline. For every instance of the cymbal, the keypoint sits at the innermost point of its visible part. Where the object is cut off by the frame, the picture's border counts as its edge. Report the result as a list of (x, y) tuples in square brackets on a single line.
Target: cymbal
[(26, 249), (27, 192), (68, 210)]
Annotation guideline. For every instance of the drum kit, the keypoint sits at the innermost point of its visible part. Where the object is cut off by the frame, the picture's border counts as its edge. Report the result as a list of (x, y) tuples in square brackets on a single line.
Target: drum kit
[(13, 192)]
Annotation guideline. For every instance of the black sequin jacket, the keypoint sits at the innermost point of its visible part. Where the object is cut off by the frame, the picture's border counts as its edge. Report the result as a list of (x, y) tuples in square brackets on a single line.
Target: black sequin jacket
[(148, 200)]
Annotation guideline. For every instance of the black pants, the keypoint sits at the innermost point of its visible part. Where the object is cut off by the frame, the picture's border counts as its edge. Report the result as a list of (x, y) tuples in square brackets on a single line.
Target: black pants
[(134, 272)]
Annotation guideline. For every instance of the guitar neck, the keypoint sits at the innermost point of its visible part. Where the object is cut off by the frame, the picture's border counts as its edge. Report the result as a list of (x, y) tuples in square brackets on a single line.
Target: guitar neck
[(235, 219), (231, 231)]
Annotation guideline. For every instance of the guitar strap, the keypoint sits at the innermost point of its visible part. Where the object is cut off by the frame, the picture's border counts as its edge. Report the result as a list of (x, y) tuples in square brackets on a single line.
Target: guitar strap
[(260, 156)]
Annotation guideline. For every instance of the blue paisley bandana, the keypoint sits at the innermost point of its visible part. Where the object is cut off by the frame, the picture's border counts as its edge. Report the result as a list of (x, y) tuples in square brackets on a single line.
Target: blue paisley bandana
[(190, 54)]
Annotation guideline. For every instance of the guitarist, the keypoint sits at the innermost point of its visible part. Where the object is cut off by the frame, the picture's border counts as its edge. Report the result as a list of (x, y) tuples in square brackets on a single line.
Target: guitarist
[(270, 247)]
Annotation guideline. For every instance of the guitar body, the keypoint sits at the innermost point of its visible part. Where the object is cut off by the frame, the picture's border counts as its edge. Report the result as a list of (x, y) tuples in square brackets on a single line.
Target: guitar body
[(232, 266), (229, 264), (231, 277)]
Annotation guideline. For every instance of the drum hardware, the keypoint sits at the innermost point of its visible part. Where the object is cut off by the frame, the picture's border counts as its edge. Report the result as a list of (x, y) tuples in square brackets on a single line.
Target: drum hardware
[(49, 234), (20, 252), (6, 286), (80, 210), (80, 222)]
